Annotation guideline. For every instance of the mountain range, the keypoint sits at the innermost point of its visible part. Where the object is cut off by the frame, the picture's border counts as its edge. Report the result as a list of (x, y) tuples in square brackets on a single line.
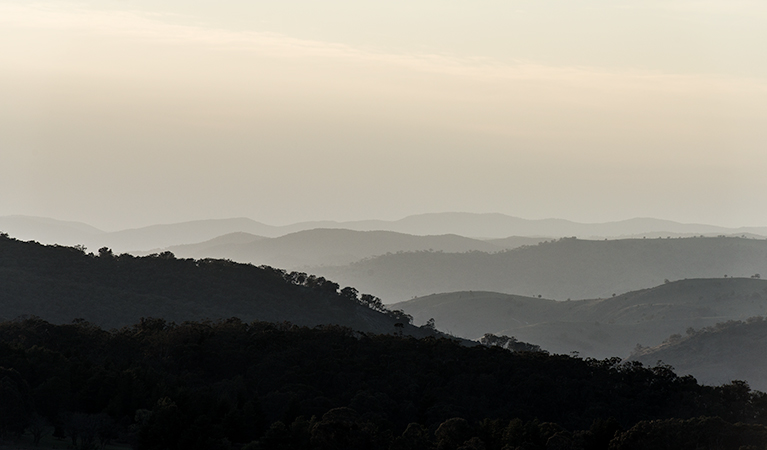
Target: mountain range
[(564, 269), (327, 246), (484, 226), (61, 284)]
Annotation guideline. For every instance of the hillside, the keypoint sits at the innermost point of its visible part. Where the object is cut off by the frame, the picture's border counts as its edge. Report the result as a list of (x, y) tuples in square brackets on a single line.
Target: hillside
[(566, 268), (48, 231), (60, 284), (494, 225), (732, 350), (599, 327), (205, 249), (228, 385), (165, 235), (325, 246)]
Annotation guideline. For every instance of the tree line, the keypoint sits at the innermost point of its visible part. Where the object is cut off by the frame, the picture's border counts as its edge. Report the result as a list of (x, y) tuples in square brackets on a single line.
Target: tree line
[(231, 384)]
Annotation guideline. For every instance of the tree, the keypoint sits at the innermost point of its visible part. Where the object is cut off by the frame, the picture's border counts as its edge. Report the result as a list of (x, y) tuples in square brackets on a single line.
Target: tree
[(452, 433), (37, 426), (349, 293), (415, 437), (15, 403)]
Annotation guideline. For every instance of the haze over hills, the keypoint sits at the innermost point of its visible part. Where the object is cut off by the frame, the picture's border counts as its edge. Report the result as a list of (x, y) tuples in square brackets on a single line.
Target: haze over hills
[(495, 225), (562, 269), (486, 226), (323, 246), (597, 328), (727, 351), (48, 231), (60, 284)]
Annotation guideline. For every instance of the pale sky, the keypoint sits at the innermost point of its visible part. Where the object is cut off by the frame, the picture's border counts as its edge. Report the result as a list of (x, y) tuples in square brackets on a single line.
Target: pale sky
[(123, 113)]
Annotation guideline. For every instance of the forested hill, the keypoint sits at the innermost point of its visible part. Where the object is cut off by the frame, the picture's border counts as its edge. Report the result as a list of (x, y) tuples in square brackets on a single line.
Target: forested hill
[(217, 386), (60, 284), (562, 269)]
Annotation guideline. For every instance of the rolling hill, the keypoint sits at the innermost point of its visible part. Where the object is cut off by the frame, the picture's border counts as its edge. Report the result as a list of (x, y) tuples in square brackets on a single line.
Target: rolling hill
[(48, 231), (485, 226), (60, 284), (597, 328), (732, 350), (566, 268), (325, 246)]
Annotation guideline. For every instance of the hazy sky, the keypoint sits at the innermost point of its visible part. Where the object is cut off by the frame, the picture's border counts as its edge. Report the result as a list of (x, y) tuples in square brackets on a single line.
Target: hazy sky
[(123, 113)]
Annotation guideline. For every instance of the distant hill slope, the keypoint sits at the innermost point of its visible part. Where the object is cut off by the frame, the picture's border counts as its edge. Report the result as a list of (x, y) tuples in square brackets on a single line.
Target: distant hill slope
[(159, 236), (567, 268), (60, 284), (494, 225), (512, 242), (486, 226), (734, 350), (600, 327), (325, 247), (48, 231), (207, 249)]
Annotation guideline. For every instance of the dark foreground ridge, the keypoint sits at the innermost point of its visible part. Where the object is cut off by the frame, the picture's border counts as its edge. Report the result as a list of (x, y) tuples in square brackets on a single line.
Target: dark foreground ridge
[(60, 284), (222, 385)]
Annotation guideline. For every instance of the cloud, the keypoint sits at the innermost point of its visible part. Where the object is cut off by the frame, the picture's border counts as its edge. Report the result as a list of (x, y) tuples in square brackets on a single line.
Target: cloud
[(158, 29)]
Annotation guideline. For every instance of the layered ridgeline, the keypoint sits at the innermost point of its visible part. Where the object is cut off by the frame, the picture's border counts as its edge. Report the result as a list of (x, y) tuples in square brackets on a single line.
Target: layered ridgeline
[(486, 226), (326, 246), (733, 350), (566, 268), (599, 327), (60, 284)]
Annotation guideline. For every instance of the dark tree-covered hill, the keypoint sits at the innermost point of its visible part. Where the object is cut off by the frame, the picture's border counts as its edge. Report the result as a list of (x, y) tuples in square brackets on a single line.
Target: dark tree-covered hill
[(214, 385), (60, 284)]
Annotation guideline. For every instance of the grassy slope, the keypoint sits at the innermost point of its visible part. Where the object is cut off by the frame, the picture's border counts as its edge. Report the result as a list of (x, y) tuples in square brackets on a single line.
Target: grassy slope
[(597, 327), (718, 354)]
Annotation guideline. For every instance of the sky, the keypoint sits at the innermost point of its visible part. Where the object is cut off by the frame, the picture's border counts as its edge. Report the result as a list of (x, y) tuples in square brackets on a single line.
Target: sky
[(124, 113)]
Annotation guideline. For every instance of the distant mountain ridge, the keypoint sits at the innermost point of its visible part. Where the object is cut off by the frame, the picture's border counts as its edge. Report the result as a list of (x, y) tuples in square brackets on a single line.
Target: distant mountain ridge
[(329, 246), (485, 226), (562, 269)]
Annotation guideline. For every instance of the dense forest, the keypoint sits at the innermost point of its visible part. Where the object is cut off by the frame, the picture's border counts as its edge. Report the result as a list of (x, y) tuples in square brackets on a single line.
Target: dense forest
[(291, 381), (225, 384)]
